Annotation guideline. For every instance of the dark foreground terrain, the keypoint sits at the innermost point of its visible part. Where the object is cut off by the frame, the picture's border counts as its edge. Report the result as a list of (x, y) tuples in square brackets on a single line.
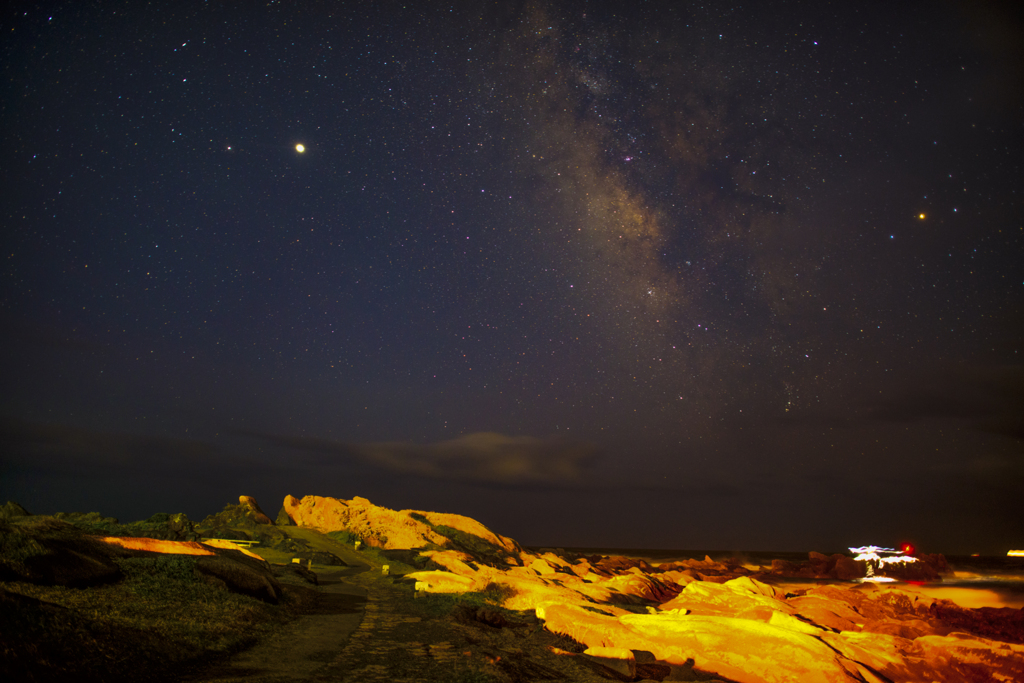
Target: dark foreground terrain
[(357, 592), (75, 608)]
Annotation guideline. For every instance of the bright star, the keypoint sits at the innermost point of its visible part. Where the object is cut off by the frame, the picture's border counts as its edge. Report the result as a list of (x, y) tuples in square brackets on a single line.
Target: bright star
[(300, 148)]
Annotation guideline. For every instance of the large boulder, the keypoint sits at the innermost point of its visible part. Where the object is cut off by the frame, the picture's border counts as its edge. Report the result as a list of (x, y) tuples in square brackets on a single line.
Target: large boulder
[(240, 576), (254, 510)]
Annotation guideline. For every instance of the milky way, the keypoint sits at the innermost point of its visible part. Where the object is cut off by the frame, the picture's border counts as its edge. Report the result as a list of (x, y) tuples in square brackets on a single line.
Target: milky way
[(567, 268)]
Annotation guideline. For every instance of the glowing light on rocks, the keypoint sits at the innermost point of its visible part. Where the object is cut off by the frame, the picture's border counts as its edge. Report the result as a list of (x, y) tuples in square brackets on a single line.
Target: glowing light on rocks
[(873, 555)]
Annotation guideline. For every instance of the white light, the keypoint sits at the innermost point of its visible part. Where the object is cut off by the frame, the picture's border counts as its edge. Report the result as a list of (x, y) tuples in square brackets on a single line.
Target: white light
[(300, 148)]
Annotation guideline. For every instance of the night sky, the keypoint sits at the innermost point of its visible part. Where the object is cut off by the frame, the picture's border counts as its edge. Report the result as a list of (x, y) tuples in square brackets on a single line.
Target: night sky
[(645, 274)]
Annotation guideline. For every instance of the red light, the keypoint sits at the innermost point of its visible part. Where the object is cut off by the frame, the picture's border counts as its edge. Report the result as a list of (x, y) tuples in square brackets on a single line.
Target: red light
[(907, 549)]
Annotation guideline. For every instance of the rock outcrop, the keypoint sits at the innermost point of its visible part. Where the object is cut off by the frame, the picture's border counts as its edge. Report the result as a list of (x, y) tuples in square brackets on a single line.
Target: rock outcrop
[(10, 510), (396, 529), (254, 510), (701, 619), (748, 631), (845, 568)]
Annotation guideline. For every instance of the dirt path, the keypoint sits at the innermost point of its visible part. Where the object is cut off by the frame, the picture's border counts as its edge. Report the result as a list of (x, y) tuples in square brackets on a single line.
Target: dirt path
[(302, 648), (370, 628)]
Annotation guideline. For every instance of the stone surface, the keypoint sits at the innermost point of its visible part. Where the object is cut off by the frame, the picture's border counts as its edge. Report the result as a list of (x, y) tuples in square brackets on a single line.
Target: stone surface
[(283, 519), (241, 577), (11, 509), (257, 513), (739, 649), (618, 659), (393, 529)]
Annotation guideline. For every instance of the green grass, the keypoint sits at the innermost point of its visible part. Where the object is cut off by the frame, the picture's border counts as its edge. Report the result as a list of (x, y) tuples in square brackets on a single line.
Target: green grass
[(162, 614), (16, 547), (345, 537), (444, 604)]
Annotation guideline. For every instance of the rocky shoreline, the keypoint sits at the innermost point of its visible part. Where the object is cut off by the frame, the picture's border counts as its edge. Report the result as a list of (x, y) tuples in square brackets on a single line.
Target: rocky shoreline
[(508, 610)]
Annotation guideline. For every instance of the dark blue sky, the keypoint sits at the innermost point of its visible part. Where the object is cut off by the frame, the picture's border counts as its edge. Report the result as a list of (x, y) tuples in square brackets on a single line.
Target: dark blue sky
[(738, 277)]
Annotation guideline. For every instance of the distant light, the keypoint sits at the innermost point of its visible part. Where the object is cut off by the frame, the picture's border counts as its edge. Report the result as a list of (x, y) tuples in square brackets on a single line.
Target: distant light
[(921, 216), (300, 148)]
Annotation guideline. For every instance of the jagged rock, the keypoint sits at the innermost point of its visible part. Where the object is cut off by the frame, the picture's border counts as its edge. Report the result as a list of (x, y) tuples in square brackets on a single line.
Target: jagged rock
[(848, 569), (741, 597), (283, 519), (998, 623), (257, 514), (390, 529), (245, 521), (954, 658), (11, 509), (739, 649), (921, 570)]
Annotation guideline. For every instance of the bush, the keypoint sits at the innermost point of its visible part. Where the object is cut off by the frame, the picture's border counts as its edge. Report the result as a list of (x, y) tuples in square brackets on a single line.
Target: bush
[(444, 604), (344, 537)]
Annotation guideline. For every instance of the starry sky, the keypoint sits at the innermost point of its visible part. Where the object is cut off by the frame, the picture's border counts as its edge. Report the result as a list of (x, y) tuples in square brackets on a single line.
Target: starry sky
[(649, 275)]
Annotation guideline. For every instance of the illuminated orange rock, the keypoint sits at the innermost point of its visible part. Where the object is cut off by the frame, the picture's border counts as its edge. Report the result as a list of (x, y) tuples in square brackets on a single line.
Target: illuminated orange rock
[(470, 526), (542, 567), (833, 614), (452, 560), (225, 544), (742, 597), (385, 528), (954, 658), (742, 650), (257, 513), (157, 546), (444, 582), (617, 659), (641, 586)]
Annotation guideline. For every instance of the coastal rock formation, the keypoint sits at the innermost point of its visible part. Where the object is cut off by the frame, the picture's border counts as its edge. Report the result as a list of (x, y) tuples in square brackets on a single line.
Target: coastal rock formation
[(394, 530), (844, 568), (689, 620), (10, 509), (254, 509)]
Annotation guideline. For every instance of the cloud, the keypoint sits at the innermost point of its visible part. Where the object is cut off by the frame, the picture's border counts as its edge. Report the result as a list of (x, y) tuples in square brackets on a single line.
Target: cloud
[(74, 451), (987, 399), (482, 457)]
